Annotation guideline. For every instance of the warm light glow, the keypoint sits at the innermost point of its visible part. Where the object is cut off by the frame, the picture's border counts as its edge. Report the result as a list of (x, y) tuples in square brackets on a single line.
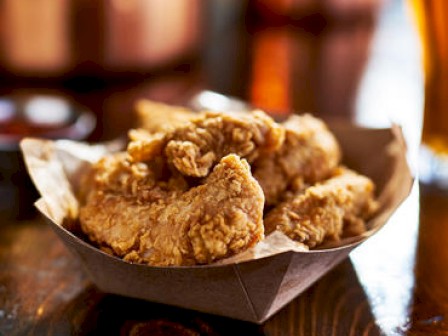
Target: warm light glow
[(143, 33), (36, 34), (271, 72), (40, 311)]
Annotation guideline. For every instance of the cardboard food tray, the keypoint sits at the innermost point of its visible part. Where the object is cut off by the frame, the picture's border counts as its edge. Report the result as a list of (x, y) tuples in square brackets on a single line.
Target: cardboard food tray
[(251, 290)]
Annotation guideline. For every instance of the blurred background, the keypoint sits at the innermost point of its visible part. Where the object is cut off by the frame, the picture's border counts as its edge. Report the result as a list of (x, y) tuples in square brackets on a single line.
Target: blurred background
[(327, 57), (352, 59)]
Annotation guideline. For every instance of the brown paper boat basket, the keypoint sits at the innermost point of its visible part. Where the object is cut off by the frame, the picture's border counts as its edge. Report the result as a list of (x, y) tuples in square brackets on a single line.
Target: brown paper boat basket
[(256, 289)]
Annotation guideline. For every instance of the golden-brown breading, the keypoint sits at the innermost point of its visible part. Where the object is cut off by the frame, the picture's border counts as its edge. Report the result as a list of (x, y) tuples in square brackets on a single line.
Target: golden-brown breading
[(146, 182), (324, 211), (309, 154), (195, 147), (219, 218), (158, 117)]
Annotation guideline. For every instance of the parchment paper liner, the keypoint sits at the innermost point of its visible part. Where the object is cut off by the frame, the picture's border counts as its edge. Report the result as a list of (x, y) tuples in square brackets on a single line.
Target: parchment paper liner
[(251, 286)]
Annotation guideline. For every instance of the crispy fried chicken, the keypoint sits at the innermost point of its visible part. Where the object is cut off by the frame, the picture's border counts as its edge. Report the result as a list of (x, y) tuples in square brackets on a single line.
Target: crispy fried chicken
[(145, 217), (195, 147), (325, 211), (309, 154), (181, 194)]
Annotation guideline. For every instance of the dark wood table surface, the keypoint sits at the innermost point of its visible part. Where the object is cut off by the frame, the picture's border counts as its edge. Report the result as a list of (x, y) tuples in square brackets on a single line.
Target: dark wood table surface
[(396, 283)]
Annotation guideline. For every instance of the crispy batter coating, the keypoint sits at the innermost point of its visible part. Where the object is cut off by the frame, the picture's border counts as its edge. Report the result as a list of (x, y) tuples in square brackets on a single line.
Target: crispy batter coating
[(143, 220), (195, 147), (146, 182), (182, 195), (326, 210), (158, 117), (309, 154)]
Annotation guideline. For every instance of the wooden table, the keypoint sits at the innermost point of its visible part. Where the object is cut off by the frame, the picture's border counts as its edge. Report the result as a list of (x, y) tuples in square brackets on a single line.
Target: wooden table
[(395, 284)]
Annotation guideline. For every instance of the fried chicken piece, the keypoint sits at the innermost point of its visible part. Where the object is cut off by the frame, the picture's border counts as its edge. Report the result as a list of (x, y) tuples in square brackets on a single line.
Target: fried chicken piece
[(309, 154), (144, 221), (195, 147), (326, 211), (157, 117), (146, 182)]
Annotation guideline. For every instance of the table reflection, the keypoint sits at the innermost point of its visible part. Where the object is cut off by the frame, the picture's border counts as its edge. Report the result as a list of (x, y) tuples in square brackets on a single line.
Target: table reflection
[(430, 307)]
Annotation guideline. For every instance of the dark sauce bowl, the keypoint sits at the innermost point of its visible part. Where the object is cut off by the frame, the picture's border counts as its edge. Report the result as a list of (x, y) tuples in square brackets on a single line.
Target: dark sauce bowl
[(39, 116)]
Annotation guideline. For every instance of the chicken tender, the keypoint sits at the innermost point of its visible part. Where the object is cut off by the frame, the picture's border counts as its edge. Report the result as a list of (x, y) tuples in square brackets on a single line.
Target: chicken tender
[(143, 220), (158, 117), (194, 148), (326, 211), (146, 182), (310, 153)]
